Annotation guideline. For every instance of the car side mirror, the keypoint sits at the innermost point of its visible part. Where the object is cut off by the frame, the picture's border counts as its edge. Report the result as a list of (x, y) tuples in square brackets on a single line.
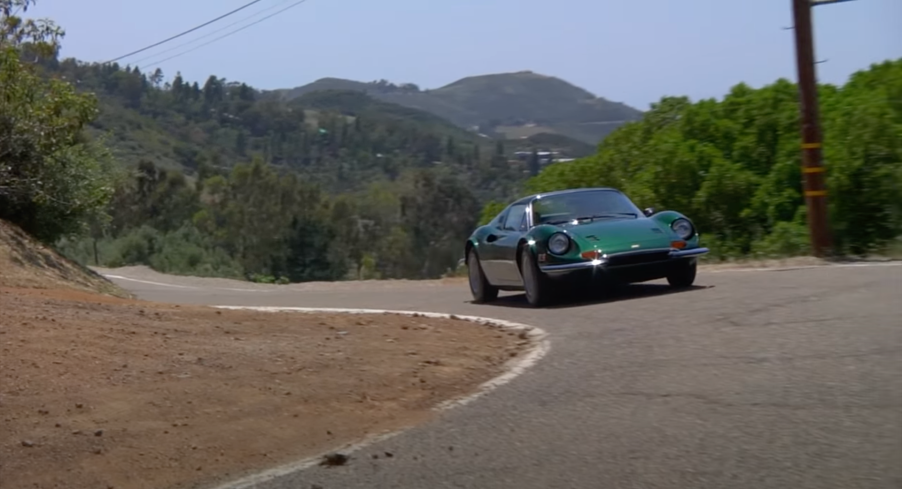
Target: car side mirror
[(648, 211)]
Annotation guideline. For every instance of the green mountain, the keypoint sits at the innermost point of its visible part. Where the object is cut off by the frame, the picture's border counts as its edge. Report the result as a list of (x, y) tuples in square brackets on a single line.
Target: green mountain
[(567, 147), (225, 181), (507, 105), (340, 139), (333, 183)]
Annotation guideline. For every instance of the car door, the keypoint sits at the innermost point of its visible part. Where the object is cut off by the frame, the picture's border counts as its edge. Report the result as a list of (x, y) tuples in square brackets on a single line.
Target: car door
[(499, 251)]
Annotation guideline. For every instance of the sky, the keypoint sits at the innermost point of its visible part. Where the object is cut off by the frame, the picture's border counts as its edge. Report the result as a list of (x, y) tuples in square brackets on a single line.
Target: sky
[(633, 52)]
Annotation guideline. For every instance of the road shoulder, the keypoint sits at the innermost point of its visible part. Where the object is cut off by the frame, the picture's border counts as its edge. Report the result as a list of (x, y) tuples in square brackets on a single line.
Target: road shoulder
[(99, 391)]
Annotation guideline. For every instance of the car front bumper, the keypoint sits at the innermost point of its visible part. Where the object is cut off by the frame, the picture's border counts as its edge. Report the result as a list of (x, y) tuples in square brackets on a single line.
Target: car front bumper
[(626, 260)]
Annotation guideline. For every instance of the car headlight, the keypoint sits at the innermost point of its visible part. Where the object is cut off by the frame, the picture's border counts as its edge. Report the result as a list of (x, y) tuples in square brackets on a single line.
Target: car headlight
[(558, 243), (683, 228)]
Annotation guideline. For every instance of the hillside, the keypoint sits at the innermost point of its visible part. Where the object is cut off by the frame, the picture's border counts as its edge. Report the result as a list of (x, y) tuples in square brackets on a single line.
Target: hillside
[(180, 125), (26, 263), (340, 138), (330, 166), (544, 141), (355, 103), (508, 105), (225, 180)]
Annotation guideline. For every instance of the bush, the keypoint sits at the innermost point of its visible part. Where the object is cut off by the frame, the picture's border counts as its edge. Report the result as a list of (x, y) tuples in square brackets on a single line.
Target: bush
[(54, 181)]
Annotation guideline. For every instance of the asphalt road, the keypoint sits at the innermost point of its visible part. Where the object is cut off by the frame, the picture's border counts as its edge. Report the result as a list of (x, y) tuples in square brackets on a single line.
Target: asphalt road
[(765, 379)]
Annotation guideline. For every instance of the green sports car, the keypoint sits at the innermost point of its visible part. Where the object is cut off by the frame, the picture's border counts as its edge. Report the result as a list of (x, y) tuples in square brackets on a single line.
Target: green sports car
[(591, 234)]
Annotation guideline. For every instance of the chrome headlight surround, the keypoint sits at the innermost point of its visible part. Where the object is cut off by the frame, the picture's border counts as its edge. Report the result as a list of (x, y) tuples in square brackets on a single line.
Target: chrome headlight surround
[(683, 228), (558, 243)]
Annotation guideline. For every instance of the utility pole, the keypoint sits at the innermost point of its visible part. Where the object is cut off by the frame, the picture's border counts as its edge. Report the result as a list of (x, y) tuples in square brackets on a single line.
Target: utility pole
[(812, 168)]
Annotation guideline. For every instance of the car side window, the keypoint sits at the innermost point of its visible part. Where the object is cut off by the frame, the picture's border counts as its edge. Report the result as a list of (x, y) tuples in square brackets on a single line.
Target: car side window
[(516, 219), (498, 221)]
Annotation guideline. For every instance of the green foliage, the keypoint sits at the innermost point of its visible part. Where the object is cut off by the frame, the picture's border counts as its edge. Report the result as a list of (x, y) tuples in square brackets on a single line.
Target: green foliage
[(263, 225), (490, 210), (330, 186), (184, 251), (39, 37), (786, 239), (438, 213), (340, 140), (54, 180), (308, 258), (734, 165)]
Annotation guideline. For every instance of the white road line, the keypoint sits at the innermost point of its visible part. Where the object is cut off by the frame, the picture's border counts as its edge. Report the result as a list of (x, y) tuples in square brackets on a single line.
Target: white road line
[(120, 277), (513, 368), (804, 267), (161, 284)]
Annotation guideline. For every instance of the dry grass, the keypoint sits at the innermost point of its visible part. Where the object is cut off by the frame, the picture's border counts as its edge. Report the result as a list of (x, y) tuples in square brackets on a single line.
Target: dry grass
[(24, 262)]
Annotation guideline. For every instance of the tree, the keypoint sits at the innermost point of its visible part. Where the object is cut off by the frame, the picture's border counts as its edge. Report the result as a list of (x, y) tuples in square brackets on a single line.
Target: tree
[(53, 179), (308, 248), (157, 78), (733, 165), (438, 212)]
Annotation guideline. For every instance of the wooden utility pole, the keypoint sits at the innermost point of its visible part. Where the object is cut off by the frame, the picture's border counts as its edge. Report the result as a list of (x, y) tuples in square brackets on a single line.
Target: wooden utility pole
[(812, 168)]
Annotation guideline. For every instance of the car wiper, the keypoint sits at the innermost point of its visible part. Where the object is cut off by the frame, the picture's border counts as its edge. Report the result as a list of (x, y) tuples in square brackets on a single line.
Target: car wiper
[(594, 216)]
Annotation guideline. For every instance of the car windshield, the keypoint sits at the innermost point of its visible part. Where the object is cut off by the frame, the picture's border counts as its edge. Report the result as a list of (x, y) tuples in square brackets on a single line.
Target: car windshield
[(589, 205)]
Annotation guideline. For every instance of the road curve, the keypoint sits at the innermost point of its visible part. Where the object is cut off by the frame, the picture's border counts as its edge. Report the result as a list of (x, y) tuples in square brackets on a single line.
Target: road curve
[(753, 379)]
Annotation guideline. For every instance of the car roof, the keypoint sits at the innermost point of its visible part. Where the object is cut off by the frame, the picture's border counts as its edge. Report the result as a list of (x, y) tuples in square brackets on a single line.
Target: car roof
[(530, 198)]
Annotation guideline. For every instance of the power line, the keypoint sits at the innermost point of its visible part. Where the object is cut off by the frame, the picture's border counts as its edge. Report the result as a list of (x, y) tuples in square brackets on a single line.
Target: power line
[(187, 32), (295, 4), (137, 61)]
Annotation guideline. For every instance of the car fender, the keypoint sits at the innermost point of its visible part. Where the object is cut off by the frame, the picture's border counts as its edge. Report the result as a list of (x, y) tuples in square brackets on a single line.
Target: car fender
[(468, 245), (666, 218), (474, 239), (537, 236)]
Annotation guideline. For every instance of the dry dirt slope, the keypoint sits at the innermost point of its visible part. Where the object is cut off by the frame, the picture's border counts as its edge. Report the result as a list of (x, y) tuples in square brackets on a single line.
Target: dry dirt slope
[(24, 262)]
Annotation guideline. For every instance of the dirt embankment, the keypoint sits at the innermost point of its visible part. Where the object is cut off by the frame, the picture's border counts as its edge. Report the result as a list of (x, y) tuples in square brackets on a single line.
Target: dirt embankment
[(103, 391), (24, 262)]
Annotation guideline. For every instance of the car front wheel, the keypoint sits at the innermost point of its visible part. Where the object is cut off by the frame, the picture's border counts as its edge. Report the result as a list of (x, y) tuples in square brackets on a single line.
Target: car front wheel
[(535, 283), (683, 275), (480, 287)]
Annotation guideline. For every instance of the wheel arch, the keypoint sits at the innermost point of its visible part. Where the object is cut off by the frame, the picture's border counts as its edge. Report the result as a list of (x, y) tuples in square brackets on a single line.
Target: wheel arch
[(471, 244), (666, 219), (520, 245)]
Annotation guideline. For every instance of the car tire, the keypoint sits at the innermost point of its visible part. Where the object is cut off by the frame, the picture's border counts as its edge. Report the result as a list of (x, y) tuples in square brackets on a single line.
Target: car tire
[(480, 287), (535, 283), (683, 274)]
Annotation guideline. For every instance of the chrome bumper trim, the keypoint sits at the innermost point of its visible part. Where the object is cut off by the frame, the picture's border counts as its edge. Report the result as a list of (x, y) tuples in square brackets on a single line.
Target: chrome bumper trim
[(688, 253), (602, 262)]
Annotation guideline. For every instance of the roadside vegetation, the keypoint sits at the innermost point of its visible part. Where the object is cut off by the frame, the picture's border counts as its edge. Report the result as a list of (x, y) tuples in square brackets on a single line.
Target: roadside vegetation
[(734, 165), (219, 179), (54, 180)]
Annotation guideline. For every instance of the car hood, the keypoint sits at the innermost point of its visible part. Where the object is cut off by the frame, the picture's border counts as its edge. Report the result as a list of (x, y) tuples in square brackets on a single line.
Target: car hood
[(616, 235)]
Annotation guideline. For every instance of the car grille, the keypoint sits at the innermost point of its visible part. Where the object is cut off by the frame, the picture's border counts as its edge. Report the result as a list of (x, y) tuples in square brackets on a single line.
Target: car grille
[(628, 259)]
